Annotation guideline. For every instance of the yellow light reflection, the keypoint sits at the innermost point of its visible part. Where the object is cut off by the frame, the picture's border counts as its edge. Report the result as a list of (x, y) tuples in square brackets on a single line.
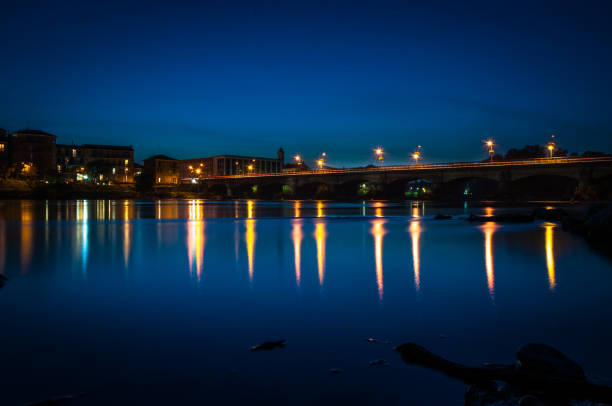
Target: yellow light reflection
[(320, 235), (378, 209), (195, 245), (415, 235), (415, 210), (488, 229), (127, 238), (250, 237), (296, 208), (320, 207), (250, 209), (378, 231), (489, 211), (550, 256), (297, 236)]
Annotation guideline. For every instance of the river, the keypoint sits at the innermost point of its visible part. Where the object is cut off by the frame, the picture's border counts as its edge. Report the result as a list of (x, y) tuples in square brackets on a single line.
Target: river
[(158, 302)]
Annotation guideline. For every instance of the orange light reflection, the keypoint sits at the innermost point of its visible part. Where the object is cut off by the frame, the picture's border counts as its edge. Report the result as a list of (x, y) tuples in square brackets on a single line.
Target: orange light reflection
[(297, 236), (550, 256), (378, 231), (320, 235), (415, 235)]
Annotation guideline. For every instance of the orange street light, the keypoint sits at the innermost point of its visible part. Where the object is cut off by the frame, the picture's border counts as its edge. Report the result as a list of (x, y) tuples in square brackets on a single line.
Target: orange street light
[(379, 154), (320, 162), (551, 145), (490, 144), (416, 155)]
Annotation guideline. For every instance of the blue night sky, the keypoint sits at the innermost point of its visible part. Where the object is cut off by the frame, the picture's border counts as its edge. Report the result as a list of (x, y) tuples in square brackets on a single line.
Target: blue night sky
[(192, 80)]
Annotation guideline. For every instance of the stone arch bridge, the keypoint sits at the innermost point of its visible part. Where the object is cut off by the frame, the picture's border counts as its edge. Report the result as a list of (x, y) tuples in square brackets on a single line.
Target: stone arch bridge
[(391, 181)]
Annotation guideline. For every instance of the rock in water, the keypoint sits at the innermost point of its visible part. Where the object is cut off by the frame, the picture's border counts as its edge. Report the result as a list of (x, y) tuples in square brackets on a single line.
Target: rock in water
[(3, 281), (543, 359), (442, 217), (269, 345)]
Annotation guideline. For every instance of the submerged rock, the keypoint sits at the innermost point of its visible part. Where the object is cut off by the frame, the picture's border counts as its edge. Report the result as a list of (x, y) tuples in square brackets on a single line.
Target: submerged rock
[(442, 217), (541, 376), (595, 225), (269, 345), (543, 359)]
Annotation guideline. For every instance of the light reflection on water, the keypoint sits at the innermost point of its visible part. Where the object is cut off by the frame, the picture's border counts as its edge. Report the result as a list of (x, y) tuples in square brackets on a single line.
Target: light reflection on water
[(196, 212), (124, 260)]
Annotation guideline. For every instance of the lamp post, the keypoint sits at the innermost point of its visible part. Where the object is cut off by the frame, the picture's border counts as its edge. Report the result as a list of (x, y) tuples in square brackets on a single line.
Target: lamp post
[(490, 144), (321, 160), (416, 155), (379, 155), (298, 160), (551, 145)]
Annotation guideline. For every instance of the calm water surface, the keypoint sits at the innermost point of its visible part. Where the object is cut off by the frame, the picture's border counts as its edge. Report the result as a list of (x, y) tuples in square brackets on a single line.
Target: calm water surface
[(158, 302)]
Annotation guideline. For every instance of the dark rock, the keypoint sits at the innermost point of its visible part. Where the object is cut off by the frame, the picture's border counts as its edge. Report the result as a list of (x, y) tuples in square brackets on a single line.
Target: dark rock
[(595, 226), (543, 359), (335, 371), (442, 217), (269, 345), (379, 362), (3, 281), (551, 214)]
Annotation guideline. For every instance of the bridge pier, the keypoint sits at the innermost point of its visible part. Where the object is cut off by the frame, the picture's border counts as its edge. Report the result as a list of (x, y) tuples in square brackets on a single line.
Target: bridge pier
[(504, 187)]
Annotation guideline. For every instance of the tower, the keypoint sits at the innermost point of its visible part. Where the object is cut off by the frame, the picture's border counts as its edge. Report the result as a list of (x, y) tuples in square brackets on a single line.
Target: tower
[(281, 156)]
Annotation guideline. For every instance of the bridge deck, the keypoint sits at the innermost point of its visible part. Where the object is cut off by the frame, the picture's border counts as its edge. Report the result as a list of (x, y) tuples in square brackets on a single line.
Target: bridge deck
[(425, 167)]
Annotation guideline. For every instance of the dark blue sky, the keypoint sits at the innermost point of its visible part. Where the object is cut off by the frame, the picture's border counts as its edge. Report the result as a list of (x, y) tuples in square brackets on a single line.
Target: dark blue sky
[(192, 80)]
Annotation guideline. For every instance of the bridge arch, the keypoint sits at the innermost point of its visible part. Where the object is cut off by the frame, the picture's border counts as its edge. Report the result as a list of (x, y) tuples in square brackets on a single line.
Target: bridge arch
[(544, 186), (470, 187)]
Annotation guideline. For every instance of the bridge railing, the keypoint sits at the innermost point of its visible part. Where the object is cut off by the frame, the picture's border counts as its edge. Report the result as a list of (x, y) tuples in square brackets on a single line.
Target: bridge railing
[(424, 167)]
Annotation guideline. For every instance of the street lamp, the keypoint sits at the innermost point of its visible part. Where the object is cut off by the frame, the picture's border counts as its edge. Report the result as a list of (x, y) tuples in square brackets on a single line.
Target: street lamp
[(379, 154), (250, 168), (416, 155), (298, 160), (321, 160), (551, 145), (490, 144)]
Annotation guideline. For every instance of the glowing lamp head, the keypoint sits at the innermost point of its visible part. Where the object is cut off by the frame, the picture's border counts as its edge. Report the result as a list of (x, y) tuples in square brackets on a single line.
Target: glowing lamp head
[(250, 167), (489, 143), (379, 151), (320, 163), (551, 147), (198, 170), (297, 158)]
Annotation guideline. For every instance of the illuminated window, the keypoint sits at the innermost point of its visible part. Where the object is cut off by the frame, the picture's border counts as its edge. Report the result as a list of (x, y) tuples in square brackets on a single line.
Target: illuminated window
[(114, 171), (74, 153), (126, 162), (2, 147)]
